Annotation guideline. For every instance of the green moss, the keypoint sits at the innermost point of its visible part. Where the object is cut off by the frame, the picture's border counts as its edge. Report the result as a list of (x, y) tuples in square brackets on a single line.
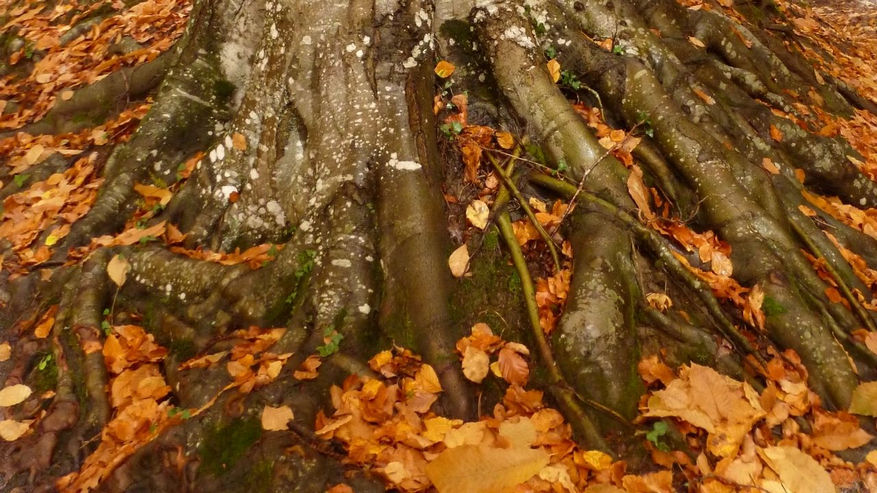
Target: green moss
[(182, 349), (224, 90), (45, 372), (260, 477), (772, 307), (223, 446)]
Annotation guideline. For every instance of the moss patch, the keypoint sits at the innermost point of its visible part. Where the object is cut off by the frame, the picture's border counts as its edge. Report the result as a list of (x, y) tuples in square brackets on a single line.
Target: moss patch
[(225, 445)]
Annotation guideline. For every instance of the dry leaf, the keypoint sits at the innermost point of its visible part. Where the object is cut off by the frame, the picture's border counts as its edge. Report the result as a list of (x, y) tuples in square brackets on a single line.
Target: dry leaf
[(659, 301), (797, 471), (148, 191), (14, 394), (864, 400), (475, 364), (771, 168), (117, 269), (238, 141), (308, 368), (724, 407), (444, 69), (5, 351), (13, 430), (276, 418), (66, 95), (553, 69), (459, 261), (513, 367), (704, 96), (477, 213), (776, 134), (484, 469), (505, 140)]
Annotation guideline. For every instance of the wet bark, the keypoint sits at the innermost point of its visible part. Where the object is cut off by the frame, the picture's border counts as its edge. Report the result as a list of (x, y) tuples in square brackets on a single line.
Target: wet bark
[(344, 167)]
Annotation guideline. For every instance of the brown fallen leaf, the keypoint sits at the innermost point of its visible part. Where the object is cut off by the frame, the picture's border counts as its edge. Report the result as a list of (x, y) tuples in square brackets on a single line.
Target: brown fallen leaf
[(13, 430), (553, 69), (797, 471), (117, 269), (14, 394), (444, 69), (459, 261), (276, 418), (475, 364), (864, 400)]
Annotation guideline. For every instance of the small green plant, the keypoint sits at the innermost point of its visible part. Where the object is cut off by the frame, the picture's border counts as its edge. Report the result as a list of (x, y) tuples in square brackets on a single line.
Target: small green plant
[(305, 266), (550, 52), (44, 362), (562, 167), (184, 413), (569, 80), (618, 49), (105, 323), (333, 341), (146, 239), (20, 179), (659, 429), (451, 130)]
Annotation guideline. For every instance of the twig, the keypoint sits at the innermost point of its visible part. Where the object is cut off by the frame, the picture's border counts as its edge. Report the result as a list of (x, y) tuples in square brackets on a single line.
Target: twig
[(510, 186)]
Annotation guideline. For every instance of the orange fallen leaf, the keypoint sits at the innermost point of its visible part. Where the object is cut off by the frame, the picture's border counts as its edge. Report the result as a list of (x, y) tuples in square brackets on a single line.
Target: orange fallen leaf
[(444, 69), (276, 418)]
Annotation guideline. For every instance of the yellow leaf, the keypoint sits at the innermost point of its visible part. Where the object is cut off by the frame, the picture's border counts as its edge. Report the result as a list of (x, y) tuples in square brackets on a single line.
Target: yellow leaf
[(553, 69), (276, 418), (484, 469), (438, 427), (33, 154), (5, 351), (66, 95), (726, 408), (505, 140), (444, 69), (477, 213), (864, 399), (659, 301), (51, 240), (459, 261), (14, 394), (797, 471), (117, 269), (596, 460), (12, 430), (475, 364), (148, 191)]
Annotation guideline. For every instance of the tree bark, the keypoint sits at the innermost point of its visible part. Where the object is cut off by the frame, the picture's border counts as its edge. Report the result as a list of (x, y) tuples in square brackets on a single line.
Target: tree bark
[(344, 167)]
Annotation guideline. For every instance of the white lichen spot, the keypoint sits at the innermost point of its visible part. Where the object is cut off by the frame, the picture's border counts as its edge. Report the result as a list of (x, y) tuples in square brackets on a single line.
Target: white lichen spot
[(403, 165), (273, 31), (341, 262), (306, 40), (254, 174), (365, 309), (220, 152), (212, 155), (305, 226), (519, 35), (228, 141), (410, 62), (350, 48)]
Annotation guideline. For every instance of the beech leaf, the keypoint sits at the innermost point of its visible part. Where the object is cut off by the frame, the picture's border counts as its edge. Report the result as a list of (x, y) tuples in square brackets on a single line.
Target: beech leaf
[(484, 469), (117, 269), (475, 364), (864, 400), (797, 471), (14, 394), (459, 261), (477, 213), (13, 430), (276, 418)]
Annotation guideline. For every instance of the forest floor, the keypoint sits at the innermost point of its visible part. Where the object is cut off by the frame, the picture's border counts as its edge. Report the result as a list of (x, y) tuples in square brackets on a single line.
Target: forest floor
[(42, 200)]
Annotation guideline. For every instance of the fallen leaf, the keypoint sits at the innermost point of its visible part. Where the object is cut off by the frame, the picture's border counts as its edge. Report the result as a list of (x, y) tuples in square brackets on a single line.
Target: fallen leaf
[(238, 141), (776, 134), (117, 269), (724, 407), (864, 400), (704, 96), (308, 368), (13, 430), (148, 191), (513, 367), (475, 364), (14, 394), (5, 351), (66, 95), (276, 418), (659, 301), (797, 471), (505, 140), (838, 431), (771, 168), (477, 213), (553, 69), (484, 469), (459, 261), (444, 69)]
